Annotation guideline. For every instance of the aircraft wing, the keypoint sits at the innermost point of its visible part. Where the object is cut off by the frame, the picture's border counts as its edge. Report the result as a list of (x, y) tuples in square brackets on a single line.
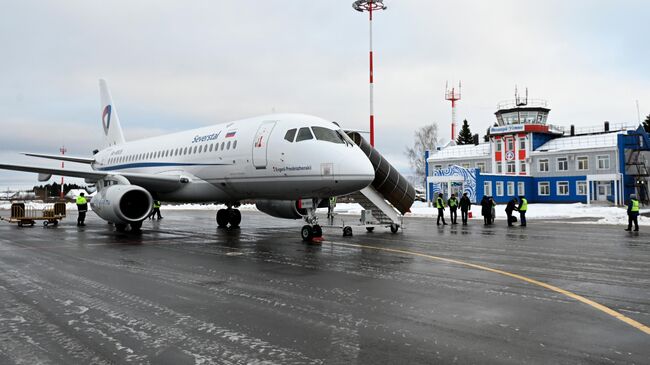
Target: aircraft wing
[(153, 182), (62, 158)]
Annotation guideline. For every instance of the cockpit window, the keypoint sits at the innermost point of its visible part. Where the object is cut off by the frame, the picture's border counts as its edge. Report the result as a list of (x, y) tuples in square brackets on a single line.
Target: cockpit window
[(291, 133), (328, 135), (304, 134)]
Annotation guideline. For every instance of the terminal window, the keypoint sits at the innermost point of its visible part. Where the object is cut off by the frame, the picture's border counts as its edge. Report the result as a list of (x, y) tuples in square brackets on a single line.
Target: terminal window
[(511, 188), (521, 188), (511, 167), (583, 163), (480, 166), (543, 188), (498, 142), (603, 162), (522, 143), (562, 188), (522, 166), (499, 188), (581, 187), (543, 165), (487, 188), (562, 164)]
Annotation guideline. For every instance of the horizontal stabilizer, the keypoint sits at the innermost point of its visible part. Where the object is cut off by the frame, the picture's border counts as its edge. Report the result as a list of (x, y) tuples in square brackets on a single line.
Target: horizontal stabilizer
[(62, 158)]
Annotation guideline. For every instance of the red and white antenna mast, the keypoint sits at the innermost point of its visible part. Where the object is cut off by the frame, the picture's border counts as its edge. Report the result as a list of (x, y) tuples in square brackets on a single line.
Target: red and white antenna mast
[(63, 150), (370, 6), (452, 95)]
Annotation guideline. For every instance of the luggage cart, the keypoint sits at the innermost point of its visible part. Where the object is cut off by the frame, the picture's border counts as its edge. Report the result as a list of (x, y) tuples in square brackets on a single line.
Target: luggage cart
[(27, 216)]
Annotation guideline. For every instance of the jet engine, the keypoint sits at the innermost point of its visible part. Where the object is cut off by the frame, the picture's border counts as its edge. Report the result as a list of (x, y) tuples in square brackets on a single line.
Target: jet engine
[(122, 204), (287, 209)]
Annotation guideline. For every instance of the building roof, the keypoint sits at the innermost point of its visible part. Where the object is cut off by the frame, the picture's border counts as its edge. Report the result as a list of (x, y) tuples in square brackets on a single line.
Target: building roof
[(462, 151), (581, 142)]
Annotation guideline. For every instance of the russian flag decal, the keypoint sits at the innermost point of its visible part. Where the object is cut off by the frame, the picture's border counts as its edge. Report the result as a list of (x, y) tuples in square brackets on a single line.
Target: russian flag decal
[(230, 134)]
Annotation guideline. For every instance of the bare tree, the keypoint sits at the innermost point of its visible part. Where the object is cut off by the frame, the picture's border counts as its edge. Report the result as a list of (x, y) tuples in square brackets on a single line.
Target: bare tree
[(426, 139)]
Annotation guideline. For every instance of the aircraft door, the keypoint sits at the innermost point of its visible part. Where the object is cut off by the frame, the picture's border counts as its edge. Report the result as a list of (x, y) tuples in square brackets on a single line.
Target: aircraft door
[(261, 143)]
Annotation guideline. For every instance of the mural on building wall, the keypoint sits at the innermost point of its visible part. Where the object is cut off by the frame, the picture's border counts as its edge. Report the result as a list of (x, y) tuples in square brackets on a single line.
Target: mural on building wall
[(469, 180)]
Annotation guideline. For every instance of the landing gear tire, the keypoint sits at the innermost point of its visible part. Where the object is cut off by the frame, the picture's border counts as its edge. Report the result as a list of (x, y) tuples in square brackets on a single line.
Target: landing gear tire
[(56, 223), (45, 223), (222, 218), (370, 229), (394, 228), (347, 231), (120, 227), (317, 231), (136, 226), (234, 218), (307, 233)]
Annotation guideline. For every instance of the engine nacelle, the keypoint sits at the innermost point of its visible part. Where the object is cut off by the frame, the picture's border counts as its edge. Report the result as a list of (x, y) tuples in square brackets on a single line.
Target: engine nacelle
[(122, 204), (287, 209)]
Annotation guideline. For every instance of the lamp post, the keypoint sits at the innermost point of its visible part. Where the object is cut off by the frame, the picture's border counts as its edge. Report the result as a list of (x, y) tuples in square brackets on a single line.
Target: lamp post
[(370, 6), (63, 150)]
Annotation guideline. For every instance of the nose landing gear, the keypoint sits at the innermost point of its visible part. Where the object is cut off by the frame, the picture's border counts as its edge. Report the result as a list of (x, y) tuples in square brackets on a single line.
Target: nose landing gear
[(312, 231)]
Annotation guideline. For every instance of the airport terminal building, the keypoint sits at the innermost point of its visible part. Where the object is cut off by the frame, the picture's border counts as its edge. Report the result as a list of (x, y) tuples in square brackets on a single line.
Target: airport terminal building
[(548, 164)]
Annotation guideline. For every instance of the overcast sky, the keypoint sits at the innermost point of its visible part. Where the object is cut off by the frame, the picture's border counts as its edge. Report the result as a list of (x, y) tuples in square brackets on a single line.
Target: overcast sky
[(175, 65)]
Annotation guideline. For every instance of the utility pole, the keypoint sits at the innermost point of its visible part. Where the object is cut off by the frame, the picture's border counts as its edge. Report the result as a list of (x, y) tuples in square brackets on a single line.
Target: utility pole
[(370, 6)]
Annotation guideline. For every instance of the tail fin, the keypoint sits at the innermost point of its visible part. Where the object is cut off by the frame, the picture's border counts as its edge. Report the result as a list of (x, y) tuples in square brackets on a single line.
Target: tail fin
[(111, 122)]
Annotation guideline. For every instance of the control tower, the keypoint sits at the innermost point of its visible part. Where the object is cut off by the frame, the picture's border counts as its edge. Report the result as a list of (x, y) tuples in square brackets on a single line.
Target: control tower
[(521, 127)]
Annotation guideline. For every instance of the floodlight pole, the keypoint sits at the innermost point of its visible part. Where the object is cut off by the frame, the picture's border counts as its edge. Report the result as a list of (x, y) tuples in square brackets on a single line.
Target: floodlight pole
[(370, 6)]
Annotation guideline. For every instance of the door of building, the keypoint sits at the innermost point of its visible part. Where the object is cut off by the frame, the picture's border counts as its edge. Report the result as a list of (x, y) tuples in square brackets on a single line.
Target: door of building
[(604, 190)]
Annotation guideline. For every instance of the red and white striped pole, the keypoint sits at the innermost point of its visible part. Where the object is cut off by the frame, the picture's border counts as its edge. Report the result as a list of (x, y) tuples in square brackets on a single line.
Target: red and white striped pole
[(369, 6)]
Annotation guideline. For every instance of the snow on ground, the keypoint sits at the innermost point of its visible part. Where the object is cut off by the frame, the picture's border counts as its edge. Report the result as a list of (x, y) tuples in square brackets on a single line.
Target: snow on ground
[(577, 212)]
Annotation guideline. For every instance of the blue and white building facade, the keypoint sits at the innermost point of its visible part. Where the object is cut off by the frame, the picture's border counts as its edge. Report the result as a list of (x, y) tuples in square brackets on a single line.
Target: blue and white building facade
[(546, 163)]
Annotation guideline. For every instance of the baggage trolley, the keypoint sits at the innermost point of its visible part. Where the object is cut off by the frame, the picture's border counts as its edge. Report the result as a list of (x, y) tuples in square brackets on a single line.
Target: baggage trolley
[(27, 216)]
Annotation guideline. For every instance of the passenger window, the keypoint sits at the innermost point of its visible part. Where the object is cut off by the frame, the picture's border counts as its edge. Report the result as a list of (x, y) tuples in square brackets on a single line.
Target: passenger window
[(195, 148), (304, 134), (328, 135), (234, 145), (223, 144), (211, 147), (228, 145), (291, 133)]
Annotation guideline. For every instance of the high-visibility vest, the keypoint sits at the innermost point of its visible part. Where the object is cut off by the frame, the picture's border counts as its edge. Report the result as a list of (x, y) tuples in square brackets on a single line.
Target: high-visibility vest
[(81, 200), (635, 206), (453, 202), (332, 201), (524, 205), (440, 203), (156, 204)]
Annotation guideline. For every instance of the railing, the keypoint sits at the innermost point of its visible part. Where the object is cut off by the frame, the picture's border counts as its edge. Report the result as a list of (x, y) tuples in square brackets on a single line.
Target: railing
[(599, 129), (482, 150), (531, 103)]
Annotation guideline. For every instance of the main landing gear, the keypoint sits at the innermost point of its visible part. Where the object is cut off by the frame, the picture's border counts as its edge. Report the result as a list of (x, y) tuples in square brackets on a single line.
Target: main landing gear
[(228, 216)]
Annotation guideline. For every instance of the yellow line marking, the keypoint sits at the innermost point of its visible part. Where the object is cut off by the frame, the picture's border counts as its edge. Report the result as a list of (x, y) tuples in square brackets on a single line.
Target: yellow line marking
[(641, 327)]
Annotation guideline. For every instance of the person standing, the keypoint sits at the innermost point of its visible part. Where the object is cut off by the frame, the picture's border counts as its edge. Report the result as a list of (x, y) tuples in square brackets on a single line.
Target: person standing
[(510, 207), (493, 210), (486, 210), (522, 208), (440, 204), (156, 210), (82, 208), (453, 207), (633, 213), (330, 210), (465, 206)]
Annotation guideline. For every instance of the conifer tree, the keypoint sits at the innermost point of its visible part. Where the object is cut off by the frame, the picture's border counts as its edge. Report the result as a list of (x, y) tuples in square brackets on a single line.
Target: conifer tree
[(646, 124), (465, 136)]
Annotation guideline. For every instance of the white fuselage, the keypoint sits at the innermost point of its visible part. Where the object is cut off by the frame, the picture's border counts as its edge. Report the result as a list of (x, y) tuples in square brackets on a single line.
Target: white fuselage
[(248, 159)]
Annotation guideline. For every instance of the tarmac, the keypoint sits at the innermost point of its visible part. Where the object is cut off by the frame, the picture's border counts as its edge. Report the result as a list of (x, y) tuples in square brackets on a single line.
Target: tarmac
[(186, 292)]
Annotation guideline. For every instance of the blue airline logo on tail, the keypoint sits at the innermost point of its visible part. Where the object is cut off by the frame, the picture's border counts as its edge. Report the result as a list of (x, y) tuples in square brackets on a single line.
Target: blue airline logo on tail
[(106, 118)]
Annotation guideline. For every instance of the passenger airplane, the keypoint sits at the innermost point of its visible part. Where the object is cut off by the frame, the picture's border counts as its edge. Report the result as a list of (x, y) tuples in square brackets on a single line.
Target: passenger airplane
[(287, 163)]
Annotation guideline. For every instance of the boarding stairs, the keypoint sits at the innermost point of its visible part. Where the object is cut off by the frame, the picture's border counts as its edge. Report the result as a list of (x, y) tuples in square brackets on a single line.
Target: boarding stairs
[(390, 195), (636, 164)]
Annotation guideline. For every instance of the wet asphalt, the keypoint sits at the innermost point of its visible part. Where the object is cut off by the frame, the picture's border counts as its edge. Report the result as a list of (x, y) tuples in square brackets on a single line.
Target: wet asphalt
[(185, 292)]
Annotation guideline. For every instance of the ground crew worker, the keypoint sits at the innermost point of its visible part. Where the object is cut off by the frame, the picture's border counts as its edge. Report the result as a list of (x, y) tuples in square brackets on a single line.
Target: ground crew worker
[(522, 208), (453, 206), (510, 207), (465, 206), (440, 204), (330, 209), (82, 208), (156, 210), (633, 213)]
